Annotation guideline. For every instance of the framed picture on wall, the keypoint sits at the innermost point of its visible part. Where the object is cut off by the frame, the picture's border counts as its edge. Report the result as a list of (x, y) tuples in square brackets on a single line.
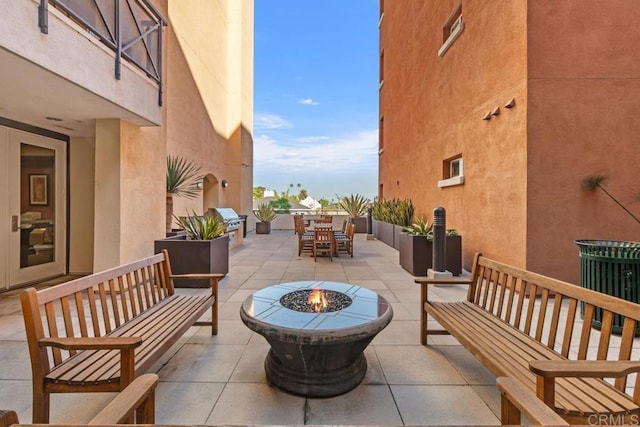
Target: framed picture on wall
[(38, 189)]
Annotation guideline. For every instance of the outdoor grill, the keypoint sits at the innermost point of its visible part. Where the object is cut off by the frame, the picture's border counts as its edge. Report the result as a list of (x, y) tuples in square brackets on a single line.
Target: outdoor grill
[(228, 216)]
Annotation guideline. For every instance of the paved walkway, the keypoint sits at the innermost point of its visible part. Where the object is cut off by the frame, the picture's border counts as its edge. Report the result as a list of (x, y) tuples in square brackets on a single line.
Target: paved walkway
[(221, 380)]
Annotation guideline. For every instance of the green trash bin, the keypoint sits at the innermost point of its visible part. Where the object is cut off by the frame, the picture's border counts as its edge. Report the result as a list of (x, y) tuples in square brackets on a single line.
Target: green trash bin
[(613, 268)]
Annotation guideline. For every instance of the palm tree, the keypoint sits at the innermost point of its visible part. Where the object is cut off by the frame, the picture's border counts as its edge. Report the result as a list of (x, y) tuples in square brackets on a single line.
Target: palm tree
[(183, 177), (591, 183)]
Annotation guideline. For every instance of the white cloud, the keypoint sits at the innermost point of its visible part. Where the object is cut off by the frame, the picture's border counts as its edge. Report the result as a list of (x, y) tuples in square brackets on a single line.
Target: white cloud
[(307, 139), (345, 153), (308, 101), (270, 122)]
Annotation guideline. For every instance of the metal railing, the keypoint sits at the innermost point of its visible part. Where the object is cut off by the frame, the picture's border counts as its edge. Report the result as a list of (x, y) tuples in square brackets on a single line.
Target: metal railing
[(132, 29)]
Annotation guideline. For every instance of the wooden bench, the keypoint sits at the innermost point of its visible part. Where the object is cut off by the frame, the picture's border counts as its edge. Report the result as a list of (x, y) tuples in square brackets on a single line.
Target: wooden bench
[(135, 403), (97, 333), (527, 326)]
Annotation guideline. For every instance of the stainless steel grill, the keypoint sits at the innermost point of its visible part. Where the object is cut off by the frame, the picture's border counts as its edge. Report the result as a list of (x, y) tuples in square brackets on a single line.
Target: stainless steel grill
[(228, 216)]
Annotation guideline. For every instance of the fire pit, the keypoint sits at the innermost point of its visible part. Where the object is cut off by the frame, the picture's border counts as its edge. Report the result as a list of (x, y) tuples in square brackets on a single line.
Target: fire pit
[(318, 332)]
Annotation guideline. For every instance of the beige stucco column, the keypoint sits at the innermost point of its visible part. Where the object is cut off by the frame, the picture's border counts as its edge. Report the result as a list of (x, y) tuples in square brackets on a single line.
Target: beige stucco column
[(130, 176)]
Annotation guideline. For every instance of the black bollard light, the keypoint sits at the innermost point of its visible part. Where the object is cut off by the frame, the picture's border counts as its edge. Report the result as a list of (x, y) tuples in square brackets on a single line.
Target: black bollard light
[(439, 232), (369, 221)]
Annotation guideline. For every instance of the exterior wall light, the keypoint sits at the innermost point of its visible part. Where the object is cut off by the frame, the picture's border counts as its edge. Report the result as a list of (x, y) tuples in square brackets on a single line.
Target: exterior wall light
[(225, 183)]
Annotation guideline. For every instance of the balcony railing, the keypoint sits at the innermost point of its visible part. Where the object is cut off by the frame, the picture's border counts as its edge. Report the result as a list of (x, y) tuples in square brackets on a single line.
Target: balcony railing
[(132, 29)]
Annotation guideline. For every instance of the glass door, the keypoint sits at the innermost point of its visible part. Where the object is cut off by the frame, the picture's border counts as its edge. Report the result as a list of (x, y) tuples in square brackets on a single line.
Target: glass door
[(36, 197)]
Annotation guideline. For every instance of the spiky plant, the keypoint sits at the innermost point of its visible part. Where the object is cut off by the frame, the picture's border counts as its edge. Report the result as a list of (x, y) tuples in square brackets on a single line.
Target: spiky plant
[(355, 205), (201, 227), (265, 212), (593, 182), (419, 228), (183, 177)]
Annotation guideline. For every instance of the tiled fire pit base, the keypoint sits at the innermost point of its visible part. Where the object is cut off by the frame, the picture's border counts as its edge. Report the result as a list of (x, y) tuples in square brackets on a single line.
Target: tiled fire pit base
[(316, 354)]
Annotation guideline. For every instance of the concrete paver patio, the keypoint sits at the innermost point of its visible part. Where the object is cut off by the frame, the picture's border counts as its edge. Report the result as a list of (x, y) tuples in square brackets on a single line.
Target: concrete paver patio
[(221, 379)]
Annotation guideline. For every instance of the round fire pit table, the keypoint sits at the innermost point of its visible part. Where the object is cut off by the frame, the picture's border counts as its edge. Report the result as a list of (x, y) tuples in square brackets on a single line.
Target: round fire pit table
[(316, 354)]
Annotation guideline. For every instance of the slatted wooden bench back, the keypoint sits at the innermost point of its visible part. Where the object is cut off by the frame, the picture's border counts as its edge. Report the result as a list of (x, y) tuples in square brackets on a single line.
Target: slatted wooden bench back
[(91, 306), (553, 317)]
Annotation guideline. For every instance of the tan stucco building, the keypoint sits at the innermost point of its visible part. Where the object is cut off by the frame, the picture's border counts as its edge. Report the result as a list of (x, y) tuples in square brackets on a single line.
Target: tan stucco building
[(84, 136), (497, 110)]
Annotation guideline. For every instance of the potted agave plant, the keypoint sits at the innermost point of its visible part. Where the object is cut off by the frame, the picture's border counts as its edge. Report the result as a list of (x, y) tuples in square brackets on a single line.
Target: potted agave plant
[(265, 213), (355, 206), (202, 248), (183, 177), (416, 249)]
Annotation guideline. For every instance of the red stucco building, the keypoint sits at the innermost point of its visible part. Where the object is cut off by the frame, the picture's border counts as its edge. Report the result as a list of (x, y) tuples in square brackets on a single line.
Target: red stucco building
[(497, 110)]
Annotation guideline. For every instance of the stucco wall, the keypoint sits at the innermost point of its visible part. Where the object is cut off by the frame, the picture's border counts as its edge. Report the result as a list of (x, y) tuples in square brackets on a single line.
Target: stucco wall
[(210, 95), (81, 204), (129, 192), (584, 99), (142, 209), (433, 108), (574, 71)]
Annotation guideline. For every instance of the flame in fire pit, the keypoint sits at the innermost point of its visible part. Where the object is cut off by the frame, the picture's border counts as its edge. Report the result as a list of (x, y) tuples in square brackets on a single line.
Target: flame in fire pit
[(318, 300)]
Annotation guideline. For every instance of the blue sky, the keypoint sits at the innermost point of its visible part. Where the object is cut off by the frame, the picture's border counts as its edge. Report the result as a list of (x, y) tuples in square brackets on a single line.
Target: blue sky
[(316, 96)]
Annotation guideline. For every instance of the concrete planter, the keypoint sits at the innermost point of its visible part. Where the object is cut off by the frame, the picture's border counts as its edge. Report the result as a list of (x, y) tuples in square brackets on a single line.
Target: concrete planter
[(385, 233), (360, 222), (416, 254), (397, 231), (263, 227), (195, 256)]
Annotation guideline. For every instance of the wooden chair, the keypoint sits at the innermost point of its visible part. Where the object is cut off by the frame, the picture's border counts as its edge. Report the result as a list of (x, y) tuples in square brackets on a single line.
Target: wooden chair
[(297, 220), (344, 241), (8, 417), (305, 239), (323, 242)]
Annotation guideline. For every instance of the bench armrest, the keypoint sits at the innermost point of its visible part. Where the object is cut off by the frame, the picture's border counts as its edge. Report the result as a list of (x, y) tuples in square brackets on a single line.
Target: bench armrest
[(516, 399), (138, 397), (92, 343), (548, 370), (126, 345), (198, 276), (444, 282), (583, 368)]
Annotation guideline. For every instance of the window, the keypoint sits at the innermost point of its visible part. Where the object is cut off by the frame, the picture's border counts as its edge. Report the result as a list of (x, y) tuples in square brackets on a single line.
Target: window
[(455, 168), (453, 172), (451, 30)]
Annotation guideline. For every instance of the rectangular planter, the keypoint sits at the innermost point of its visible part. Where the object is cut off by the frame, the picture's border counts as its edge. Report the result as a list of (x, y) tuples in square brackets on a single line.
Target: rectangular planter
[(397, 231), (263, 227), (361, 223), (385, 233), (195, 256), (416, 254)]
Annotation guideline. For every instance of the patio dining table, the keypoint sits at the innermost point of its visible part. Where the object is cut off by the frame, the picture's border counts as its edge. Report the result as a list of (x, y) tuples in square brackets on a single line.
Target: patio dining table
[(337, 234)]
